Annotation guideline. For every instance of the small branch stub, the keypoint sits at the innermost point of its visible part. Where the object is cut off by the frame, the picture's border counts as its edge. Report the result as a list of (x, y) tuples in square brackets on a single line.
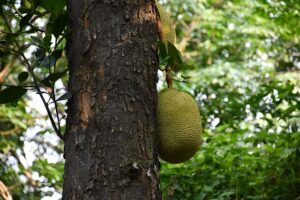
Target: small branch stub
[(169, 77)]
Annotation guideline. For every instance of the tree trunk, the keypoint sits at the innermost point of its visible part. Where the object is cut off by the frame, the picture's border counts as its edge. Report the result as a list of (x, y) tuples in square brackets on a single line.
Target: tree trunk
[(110, 147)]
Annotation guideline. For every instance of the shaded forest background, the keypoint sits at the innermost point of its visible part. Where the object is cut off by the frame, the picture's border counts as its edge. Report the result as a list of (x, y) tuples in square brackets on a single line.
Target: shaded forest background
[(245, 77)]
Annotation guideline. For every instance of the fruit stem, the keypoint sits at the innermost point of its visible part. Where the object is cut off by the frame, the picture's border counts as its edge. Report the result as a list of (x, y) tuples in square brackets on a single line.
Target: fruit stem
[(159, 29), (169, 76)]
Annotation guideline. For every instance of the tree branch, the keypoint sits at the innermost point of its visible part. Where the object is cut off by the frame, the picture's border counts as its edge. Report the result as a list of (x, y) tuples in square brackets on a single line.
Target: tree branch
[(35, 81), (5, 70), (4, 192), (10, 132)]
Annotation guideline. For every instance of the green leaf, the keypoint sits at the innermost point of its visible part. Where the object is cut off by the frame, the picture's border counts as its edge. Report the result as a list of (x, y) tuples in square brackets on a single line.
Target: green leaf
[(23, 10), (47, 41), (37, 41), (48, 61), (291, 109), (65, 96), (26, 4), (10, 38), (185, 66), (55, 7), (57, 24), (60, 24), (11, 94), (162, 50), (50, 27), (23, 76), (25, 20), (175, 56), (52, 78), (57, 53)]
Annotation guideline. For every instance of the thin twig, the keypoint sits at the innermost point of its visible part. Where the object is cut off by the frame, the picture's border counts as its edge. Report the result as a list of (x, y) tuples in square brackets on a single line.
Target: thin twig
[(54, 96), (56, 109), (59, 41), (11, 49), (25, 86)]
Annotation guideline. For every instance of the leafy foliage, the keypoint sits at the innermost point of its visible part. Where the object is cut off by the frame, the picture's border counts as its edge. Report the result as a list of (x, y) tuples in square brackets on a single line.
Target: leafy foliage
[(246, 80), (253, 159), (32, 59)]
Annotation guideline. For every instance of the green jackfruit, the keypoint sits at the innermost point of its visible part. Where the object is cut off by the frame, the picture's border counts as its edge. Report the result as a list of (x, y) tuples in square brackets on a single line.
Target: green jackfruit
[(166, 25), (179, 126)]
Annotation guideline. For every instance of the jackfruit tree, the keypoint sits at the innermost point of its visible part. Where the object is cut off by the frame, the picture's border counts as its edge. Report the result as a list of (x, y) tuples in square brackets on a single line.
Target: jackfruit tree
[(239, 60)]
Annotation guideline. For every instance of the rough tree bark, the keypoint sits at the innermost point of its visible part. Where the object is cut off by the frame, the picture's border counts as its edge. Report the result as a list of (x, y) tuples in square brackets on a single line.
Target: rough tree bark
[(110, 149)]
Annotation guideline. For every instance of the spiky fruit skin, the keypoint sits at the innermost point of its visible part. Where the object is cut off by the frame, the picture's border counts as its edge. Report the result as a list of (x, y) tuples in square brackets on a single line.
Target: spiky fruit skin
[(179, 126), (167, 25)]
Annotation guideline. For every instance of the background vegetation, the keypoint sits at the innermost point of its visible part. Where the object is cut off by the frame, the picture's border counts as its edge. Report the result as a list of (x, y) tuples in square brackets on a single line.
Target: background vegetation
[(245, 76)]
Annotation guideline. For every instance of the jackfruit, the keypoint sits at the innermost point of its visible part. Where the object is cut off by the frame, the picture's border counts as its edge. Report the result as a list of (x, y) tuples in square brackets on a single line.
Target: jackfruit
[(178, 126), (167, 29)]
